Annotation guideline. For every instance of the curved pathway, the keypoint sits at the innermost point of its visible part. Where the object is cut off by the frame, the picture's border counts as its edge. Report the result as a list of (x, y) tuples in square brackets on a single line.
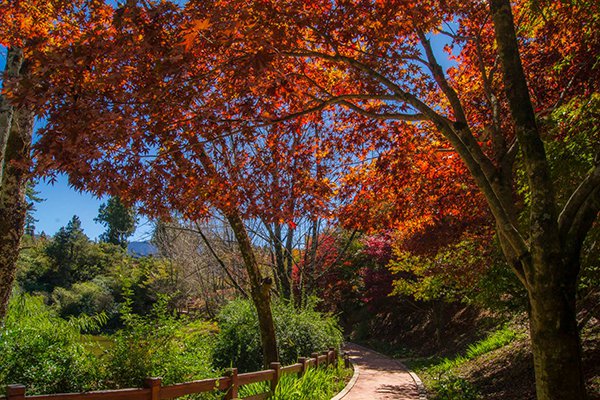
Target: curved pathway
[(380, 377)]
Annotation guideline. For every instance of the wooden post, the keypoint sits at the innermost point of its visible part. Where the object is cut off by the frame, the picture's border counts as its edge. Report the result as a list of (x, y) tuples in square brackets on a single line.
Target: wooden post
[(326, 353), (304, 362), (232, 393), (14, 392), (316, 357), (154, 385), (277, 368), (334, 355), (346, 360)]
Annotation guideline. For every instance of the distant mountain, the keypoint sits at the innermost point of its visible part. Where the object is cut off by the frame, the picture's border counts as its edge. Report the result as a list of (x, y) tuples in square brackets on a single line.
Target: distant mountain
[(141, 249)]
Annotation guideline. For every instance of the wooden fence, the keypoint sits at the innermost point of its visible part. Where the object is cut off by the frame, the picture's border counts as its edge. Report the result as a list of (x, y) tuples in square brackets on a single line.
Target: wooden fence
[(229, 385)]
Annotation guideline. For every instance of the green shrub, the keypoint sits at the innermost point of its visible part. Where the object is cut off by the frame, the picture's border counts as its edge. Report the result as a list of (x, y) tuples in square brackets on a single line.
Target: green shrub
[(300, 332), (159, 345), (44, 352), (454, 388), (90, 298)]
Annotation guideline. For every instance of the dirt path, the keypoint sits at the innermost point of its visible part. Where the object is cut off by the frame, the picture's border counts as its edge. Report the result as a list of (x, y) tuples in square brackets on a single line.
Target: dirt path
[(380, 377)]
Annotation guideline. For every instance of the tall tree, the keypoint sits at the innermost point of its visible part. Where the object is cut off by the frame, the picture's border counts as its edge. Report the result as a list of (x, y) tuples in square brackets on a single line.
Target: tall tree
[(194, 91), (67, 250), (119, 221), (158, 137), (16, 130), (33, 198), (376, 61), (28, 28)]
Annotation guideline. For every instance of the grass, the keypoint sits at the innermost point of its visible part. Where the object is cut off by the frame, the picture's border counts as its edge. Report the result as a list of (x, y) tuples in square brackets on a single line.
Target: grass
[(439, 374), (97, 344), (439, 366), (315, 384)]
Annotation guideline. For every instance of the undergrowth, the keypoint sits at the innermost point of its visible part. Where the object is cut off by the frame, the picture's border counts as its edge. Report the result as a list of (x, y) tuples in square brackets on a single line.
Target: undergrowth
[(315, 384), (439, 374)]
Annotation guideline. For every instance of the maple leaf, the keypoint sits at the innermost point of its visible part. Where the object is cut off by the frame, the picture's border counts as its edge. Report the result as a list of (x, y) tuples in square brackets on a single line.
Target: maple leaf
[(190, 36)]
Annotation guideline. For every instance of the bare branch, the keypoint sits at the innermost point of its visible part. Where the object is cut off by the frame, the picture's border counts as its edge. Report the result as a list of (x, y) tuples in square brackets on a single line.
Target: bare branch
[(220, 261)]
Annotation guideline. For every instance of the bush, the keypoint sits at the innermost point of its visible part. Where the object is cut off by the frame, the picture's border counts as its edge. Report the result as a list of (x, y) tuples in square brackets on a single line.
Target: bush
[(158, 345), (44, 352), (300, 332), (454, 388), (90, 298)]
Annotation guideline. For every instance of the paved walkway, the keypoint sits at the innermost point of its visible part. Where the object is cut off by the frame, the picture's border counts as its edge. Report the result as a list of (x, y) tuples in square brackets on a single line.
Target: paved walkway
[(380, 377)]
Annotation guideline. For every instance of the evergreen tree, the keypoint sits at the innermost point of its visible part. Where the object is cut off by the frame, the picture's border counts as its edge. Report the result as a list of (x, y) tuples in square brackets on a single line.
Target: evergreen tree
[(32, 198), (119, 221), (67, 252)]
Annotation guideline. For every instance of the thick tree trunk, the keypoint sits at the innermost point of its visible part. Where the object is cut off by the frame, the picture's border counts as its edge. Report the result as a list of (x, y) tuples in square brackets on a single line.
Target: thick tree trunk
[(13, 206), (14, 60), (549, 278), (260, 290), (555, 338), (16, 129)]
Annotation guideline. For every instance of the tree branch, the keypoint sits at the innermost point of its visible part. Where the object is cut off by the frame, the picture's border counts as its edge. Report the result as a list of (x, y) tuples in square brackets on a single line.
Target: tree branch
[(581, 199), (459, 136)]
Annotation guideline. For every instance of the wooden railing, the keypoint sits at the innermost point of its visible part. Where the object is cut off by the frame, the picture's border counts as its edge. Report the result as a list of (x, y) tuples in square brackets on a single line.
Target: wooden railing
[(229, 385)]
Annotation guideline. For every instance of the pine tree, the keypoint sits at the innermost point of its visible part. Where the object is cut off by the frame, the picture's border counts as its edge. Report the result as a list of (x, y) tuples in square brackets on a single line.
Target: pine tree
[(119, 221)]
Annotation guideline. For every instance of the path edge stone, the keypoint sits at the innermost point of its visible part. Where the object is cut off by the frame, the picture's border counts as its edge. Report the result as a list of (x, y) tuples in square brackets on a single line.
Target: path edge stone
[(420, 386), (350, 383)]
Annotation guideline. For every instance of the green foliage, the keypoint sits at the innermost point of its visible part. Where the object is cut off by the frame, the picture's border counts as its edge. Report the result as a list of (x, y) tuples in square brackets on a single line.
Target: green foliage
[(575, 126), (450, 275), (67, 258), (78, 276), (499, 289), (315, 384), (119, 221), (454, 388), (48, 354), (32, 199), (90, 298), (44, 352), (574, 133), (494, 341), (158, 345), (439, 373), (300, 332), (34, 266), (146, 280)]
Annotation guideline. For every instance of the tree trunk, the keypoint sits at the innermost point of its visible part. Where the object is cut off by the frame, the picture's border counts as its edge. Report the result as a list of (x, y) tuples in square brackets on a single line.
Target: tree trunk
[(555, 338), (550, 279), (282, 273), (260, 290), (13, 206), (14, 60), (16, 130)]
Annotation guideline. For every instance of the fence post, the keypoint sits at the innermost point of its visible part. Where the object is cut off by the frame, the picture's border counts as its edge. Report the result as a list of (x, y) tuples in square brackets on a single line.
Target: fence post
[(346, 360), (277, 367), (326, 354), (232, 393), (14, 392), (334, 355), (304, 362), (316, 357), (154, 385)]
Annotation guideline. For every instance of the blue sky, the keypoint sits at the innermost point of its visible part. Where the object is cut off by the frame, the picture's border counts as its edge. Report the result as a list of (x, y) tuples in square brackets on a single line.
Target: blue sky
[(61, 202)]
